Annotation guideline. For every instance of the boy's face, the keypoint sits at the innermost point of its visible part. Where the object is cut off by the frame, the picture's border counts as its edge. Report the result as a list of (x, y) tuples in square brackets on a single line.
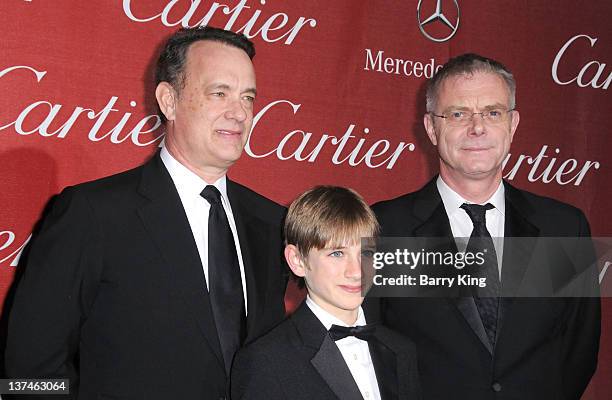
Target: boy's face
[(333, 277)]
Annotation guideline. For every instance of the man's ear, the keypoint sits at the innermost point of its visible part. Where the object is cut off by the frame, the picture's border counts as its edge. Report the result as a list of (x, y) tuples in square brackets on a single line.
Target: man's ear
[(166, 99), (295, 261), (515, 118), (430, 129)]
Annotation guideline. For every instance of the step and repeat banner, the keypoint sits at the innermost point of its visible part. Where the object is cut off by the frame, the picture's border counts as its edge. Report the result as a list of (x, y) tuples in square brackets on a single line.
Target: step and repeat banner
[(340, 99)]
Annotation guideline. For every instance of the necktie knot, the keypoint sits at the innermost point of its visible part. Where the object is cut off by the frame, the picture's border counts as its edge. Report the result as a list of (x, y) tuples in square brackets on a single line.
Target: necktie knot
[(363, 332), (211, 194), (477, 212)]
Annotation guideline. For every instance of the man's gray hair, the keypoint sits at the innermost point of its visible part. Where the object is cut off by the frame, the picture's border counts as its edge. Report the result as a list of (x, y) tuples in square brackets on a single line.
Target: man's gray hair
[(468, 64)]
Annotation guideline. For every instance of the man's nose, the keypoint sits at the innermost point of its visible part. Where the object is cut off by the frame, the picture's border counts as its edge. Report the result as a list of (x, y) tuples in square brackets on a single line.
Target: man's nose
[(477, 124), (236, 110)]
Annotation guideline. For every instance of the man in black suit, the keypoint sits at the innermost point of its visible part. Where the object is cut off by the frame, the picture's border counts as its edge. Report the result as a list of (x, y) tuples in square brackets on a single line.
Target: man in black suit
[(480, 346), (325, 350), (142, 285)]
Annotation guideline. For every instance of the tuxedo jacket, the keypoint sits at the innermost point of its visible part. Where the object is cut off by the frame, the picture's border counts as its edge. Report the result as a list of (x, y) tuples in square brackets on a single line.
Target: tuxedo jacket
[(114, 295), (298, 360), (546, 348)]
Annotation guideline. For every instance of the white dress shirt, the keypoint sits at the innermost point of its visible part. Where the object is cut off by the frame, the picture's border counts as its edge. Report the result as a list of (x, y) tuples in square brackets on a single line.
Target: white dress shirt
[(189, 186), (461, 224), (355, 352)]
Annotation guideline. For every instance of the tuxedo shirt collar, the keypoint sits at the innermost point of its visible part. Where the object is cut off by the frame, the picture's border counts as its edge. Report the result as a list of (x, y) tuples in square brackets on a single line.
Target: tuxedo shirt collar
[(327, 319), (355, 352)]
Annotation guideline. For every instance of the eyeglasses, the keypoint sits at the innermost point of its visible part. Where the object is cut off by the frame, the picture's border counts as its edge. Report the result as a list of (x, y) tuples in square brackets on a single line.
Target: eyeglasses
[(462, 118)]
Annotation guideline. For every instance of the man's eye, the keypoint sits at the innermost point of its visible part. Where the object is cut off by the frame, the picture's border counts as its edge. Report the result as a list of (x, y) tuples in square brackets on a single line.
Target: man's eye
[(456, 114), (250, 99), (495, 113), (219, 94)]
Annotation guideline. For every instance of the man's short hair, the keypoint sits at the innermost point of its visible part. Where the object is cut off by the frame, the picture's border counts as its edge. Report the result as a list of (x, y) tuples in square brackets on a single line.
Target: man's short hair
[(328, 216), (171, 62), (468, 64)]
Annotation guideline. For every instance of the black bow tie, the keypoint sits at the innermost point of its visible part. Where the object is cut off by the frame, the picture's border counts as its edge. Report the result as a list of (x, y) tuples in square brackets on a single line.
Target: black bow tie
[(363, 332)]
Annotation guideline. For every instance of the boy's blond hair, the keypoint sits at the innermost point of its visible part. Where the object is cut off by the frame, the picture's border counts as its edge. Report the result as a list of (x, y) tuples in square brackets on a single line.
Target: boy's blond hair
[(328, 216)]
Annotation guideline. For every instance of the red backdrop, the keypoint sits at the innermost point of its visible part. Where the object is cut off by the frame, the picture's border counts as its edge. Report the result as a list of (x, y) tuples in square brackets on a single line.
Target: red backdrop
[(341, 87)]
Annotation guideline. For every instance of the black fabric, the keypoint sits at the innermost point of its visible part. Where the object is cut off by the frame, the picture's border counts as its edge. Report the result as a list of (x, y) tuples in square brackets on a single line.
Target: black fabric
[(298, 360), (363, 332), (487, 298), (225, 285), (114, 279), (553, 339)]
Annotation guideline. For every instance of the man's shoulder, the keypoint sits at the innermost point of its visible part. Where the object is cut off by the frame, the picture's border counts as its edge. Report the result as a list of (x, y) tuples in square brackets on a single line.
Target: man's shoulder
[(393, 204), (113, 191), (394, 340), (112, 188), (254, 201), (427, 193), (121, 180), (543, 208), (278, 339)]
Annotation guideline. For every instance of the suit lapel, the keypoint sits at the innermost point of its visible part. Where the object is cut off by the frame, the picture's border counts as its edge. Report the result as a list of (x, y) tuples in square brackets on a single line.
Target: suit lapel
[(429, 208), (436, 224), (517, 252), (330, 364), (327, 359), (385, 366), (252, 234), (165, 220), (467, 307)]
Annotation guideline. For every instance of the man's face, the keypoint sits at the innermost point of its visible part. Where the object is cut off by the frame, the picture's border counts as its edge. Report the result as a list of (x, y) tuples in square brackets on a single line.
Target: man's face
[(476, 150), (333, 277), (210, 118)]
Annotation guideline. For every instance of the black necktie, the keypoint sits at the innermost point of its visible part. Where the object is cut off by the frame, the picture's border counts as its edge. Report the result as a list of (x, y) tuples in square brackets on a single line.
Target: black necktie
[(224, 283), (363, 332), (487, 300)]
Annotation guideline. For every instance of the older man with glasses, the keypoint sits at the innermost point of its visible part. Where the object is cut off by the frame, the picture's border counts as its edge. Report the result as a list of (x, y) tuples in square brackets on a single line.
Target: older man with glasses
[(484, 344)]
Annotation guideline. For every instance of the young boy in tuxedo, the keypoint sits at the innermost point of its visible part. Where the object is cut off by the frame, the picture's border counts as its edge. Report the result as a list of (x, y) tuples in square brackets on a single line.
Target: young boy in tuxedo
[(325, 350)]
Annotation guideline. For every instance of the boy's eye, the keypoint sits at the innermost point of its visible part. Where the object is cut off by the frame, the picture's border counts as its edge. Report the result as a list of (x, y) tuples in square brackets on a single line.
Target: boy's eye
[(367, 253), (336, 253)]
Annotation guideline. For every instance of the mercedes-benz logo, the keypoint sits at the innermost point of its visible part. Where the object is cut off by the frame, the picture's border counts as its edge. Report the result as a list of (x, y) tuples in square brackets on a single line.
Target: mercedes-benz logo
[(438, 15)]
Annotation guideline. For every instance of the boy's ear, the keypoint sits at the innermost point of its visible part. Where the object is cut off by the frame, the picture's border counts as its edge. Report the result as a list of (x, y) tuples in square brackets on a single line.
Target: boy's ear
[(295, 261)]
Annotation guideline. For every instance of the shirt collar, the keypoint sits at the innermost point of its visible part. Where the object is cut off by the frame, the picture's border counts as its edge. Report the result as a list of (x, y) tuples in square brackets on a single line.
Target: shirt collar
[(327, 319), (453, 200), (186, 181)]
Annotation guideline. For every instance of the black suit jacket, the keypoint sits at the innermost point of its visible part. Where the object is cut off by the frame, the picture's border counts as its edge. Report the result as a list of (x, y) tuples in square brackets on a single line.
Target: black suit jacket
[(546, 347), (115, 279), (298, 360)]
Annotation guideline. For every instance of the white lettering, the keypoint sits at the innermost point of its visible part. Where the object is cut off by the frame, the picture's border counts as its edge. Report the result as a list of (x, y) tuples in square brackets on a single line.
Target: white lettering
[(373, 64), (28, 122), (594, 81), (602, 274), (398, 66), (277, 23), (286, 150), (549, 174), (16, 254)]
